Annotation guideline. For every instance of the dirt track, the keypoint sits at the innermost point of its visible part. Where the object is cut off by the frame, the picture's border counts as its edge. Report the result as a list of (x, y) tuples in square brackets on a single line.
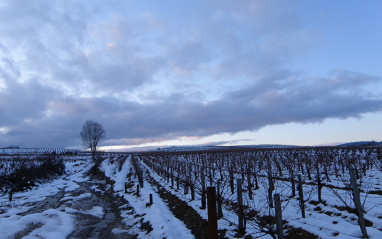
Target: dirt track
[(95, 211)]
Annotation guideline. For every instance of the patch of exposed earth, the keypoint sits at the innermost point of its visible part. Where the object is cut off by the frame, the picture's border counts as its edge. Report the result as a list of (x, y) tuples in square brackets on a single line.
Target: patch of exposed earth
[(96, 212)]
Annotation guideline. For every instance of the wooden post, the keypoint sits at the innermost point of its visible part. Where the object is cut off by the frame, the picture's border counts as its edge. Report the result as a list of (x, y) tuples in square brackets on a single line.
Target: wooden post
[(231, 182), (219, 200), (192, 192), (203, 190), (141, 177), (319, 183), (125, 187), (270, 183), (293, 186), (189, 180), (240, 205), (279, 219), (210, 174), (212, 217), (185, 187), (357, 202), (151, 199), (172, 177), (301, 196), (10, 195), (256, 181), (249, 183), (137, 190)]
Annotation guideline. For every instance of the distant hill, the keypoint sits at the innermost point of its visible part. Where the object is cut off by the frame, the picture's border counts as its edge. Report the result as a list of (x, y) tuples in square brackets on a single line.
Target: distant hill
[(214, 147), (361, 143)]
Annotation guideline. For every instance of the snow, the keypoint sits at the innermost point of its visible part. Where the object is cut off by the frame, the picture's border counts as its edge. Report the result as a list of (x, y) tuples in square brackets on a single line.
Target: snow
[(323, 220), (82, 196), (95, 211), (56, 223), (60, 222), (119, 231), (164, 223), (318, 223)]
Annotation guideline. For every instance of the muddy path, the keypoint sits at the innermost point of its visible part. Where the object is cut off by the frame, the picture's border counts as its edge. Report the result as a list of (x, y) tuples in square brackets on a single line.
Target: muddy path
[(97, 214), (95, 210)]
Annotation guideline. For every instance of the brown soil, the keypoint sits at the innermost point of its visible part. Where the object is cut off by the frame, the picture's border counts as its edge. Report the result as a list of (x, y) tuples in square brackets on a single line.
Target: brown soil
[(298, 233)]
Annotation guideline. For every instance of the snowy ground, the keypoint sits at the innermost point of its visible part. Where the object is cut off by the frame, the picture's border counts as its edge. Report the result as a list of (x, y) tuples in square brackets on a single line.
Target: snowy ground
[(75, 206), (19, 218), (163, 222), (323, 220), (63, 208)]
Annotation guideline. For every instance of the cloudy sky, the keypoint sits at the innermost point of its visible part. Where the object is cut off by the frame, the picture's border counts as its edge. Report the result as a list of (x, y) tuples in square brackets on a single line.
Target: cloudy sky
[(167, 72)]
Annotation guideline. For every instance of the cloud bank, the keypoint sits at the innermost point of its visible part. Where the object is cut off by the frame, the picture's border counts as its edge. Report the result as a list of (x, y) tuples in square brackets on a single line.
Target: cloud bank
[(161, 71)]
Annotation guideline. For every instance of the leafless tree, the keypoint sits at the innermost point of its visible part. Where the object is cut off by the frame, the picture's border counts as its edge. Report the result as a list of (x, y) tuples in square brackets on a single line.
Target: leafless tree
[(91, 135)]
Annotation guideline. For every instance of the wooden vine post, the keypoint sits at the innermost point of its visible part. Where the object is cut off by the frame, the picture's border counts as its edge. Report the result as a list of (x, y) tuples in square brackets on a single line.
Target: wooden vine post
[(240, 205), (203, 189), (250, 194), (357, 202), (279, 219), (231, 179), (301, 196), (185, 187), (319, 183), (212, 217), (172, 175), (219, 200), (293, 184), (270, 183)]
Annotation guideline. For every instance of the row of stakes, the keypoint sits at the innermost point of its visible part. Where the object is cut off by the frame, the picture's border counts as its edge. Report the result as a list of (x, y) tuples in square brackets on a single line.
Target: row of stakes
[(137, 194), (212, 212)]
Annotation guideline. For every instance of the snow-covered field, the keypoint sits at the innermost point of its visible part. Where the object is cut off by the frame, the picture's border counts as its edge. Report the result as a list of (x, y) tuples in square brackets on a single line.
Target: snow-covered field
[(13, 151), (19, 216), (330, 219), (164, 224), (25, 217)]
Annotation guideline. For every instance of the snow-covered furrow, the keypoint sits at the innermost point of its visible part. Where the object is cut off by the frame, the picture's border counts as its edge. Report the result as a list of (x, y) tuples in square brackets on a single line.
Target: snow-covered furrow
[(163, 222)]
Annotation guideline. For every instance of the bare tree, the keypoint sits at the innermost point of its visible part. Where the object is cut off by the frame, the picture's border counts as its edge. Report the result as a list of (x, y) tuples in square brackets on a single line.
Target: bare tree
[(91, 135)]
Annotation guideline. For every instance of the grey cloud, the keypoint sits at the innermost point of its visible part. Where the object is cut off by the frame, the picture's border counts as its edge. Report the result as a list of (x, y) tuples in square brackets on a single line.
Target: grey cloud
[(122, 71), (293, 103), (65, 62), (21, 102), (131, 122), (55, 45), (175, 118)]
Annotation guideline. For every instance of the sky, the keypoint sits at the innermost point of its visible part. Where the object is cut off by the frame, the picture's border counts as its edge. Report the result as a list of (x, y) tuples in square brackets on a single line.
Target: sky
[(158, 73)]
